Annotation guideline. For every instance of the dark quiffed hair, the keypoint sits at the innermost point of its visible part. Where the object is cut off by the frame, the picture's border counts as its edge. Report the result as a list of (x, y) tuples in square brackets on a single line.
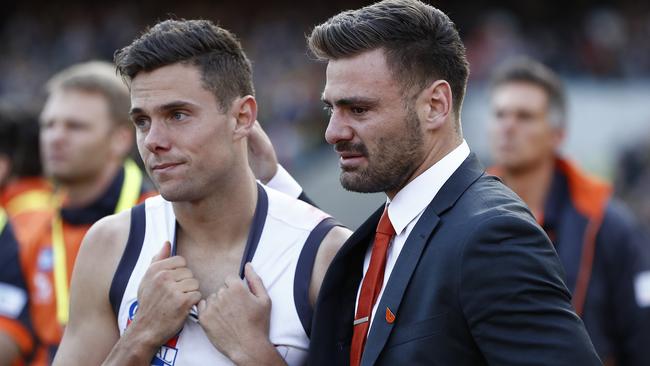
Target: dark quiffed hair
[(527, 70), (225, 69), (421, 43)]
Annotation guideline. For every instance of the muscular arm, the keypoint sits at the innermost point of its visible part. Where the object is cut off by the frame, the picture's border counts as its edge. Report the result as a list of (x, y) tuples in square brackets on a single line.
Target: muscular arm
[(92, 329), (513, 297)]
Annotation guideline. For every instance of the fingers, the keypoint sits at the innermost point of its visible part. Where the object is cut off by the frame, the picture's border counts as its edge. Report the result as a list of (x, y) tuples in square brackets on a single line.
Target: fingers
[(188, 285), (164, 252), (202, 306), (180, 273), (170, 263), (255, 283)]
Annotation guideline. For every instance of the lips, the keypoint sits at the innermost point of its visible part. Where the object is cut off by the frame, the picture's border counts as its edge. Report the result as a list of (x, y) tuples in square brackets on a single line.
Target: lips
[(164, 166), (350, 154), (351, 160)]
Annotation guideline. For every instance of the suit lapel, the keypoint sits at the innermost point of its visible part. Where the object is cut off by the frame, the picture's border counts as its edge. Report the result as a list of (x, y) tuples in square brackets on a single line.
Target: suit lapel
[(399, 279), (468, 172)]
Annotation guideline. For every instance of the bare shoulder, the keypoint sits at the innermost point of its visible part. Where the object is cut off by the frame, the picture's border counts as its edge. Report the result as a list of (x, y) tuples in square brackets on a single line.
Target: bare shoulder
[(108, 235), (330, 245), (103, 245)]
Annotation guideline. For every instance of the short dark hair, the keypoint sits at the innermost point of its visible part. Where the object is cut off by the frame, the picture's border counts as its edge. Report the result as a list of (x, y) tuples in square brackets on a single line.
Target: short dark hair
[(19, 139), (527, 70), (225, 69), (420, 41), (96, 77)]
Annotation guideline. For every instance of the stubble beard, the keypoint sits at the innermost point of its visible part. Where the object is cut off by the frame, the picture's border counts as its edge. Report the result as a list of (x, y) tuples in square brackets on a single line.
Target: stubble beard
[(390, 167)]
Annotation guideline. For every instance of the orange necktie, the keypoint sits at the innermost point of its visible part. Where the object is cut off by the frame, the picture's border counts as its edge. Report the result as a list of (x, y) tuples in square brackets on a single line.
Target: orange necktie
[(371, 287)]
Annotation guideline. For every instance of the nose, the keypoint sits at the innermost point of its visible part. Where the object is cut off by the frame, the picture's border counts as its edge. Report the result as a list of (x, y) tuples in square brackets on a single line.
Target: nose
[(504, 122), (52, 133), (156, 138), (338, 129)]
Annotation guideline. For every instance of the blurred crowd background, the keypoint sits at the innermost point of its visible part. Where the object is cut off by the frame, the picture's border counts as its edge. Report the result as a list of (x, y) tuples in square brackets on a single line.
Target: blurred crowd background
[(600, 48)]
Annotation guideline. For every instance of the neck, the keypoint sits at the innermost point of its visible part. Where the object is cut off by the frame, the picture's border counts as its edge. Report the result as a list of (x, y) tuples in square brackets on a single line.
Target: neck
[(531, 184), (440, 148), (222, 218), (84, 192)]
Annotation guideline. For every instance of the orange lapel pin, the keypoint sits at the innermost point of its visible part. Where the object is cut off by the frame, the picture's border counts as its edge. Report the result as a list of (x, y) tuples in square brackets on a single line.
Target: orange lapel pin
[(390, 317)]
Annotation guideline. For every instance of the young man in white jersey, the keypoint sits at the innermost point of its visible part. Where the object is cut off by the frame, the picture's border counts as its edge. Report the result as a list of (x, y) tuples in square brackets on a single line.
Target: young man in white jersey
[(193, 107)]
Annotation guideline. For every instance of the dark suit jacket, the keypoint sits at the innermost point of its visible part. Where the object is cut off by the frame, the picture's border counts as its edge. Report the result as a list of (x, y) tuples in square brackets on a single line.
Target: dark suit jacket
[(477, 283)]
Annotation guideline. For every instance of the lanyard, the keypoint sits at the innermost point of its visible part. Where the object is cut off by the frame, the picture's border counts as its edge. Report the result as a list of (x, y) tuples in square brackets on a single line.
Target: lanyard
[(129, 196), (3, 220)]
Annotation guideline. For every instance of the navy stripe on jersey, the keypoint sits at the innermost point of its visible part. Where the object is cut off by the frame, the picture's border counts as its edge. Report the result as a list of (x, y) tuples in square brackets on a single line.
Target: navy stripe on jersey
[(129, 257), (12, 279), (257, 226), (304, 270)]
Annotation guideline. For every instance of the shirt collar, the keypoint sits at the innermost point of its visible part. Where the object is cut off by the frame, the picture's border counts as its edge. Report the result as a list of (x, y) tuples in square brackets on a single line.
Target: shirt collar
[(411, 200)]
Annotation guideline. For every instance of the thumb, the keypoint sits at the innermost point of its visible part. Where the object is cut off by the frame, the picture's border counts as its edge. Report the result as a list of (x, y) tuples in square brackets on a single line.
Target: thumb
[(164, 252), (254, 281)]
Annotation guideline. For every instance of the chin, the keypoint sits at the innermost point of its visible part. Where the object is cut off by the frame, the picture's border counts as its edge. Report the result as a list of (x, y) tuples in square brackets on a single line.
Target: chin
[(171, 194), (360, 183)]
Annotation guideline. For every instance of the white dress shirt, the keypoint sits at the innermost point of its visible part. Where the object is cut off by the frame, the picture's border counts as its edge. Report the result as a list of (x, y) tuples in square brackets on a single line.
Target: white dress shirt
[(408, 205)]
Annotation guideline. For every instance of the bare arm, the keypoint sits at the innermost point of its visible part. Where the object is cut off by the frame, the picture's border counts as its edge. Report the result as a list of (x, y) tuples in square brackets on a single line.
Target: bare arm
[(92, 324), (261, 154), (331, 244)]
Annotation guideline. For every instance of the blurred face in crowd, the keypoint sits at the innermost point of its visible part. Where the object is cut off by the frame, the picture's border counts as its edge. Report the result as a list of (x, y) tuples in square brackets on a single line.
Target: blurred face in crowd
[(522, 134), (188, 144), (77, 135), (376, 135)]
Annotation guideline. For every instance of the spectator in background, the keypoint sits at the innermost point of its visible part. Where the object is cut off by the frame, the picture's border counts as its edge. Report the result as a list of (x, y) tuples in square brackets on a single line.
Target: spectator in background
[(85, 138), (25, 204), (598, 241), (23, 190)]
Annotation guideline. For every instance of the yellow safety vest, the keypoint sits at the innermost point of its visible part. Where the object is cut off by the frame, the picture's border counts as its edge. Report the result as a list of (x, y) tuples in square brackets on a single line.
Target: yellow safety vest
[(129, 196)]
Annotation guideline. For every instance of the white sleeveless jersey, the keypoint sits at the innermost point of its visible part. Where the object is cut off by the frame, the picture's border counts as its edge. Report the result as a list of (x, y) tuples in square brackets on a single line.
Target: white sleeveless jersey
[(282, 244)]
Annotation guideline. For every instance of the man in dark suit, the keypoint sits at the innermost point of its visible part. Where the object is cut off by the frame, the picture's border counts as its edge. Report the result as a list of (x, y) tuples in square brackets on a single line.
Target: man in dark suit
[(454, 270)]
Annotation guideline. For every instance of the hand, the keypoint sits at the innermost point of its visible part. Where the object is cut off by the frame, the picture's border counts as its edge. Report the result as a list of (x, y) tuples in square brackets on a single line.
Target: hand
[(261, 155), (237, 319), (166, 294)]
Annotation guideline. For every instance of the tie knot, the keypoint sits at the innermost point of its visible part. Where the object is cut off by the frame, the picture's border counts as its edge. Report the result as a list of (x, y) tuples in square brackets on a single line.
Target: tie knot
[(385, 226)]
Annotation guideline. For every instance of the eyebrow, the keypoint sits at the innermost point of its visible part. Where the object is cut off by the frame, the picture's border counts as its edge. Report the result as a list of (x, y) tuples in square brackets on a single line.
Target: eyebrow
[(346, 102), (164, 108)]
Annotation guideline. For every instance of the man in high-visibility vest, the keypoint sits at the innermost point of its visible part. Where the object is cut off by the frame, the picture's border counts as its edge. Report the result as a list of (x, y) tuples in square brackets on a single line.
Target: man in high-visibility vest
[(85, 139), (23, 204), (606, 258), (25, 194)]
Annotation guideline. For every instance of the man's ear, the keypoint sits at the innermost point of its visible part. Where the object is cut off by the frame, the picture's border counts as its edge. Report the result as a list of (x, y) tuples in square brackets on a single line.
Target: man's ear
[(245, 114), (434, 105)]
